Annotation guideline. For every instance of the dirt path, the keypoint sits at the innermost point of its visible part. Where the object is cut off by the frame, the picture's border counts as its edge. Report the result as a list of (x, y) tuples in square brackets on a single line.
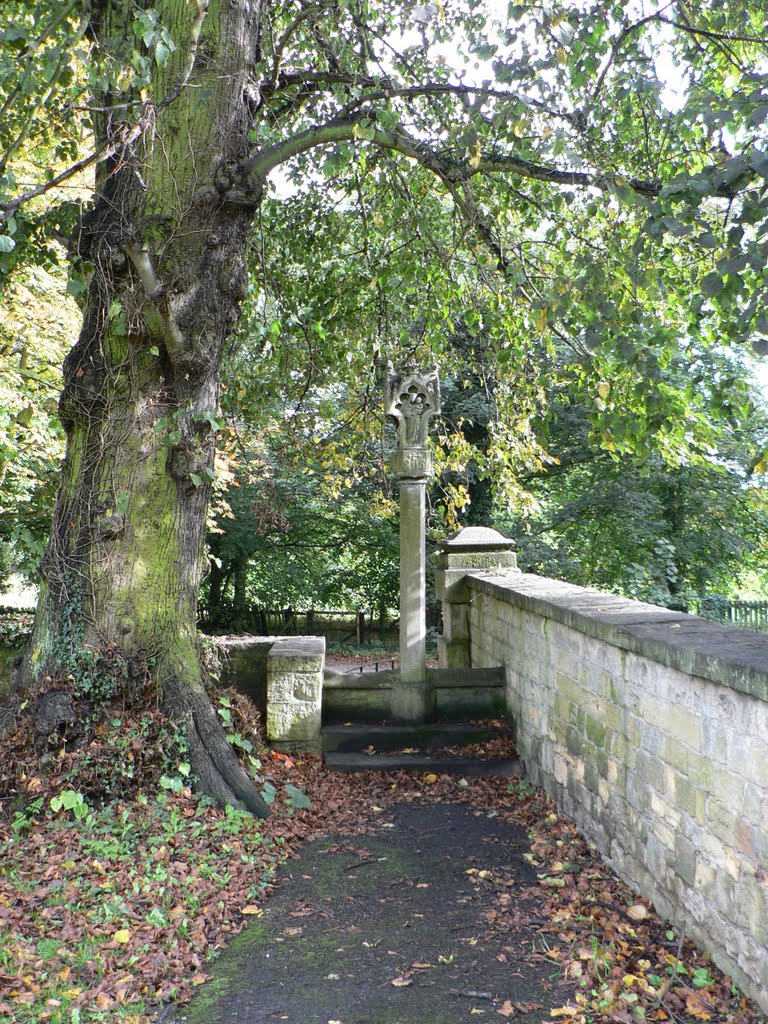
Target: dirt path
[(391, 928)]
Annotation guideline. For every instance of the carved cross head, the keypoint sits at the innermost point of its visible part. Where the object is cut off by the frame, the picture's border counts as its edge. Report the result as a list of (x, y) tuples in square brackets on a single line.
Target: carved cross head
[(412, 398)]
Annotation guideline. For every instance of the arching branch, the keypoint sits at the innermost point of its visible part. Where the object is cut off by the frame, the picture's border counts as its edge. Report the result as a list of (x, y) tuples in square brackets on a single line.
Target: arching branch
[(444, 164)]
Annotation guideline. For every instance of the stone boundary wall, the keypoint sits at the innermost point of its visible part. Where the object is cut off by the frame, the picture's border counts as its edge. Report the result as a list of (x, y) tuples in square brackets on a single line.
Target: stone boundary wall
[(650, 729), (283, 676)]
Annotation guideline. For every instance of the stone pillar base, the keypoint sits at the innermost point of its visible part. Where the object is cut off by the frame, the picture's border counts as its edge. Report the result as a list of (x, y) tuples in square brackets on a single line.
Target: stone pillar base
[(412, 702)]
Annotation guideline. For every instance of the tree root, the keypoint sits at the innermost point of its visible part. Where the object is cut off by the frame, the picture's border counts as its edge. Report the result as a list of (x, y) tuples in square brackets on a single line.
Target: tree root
[(214, 763)]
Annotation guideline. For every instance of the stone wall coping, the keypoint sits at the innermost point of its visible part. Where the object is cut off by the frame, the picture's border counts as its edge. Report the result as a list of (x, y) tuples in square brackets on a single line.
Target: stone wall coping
[(241, 641), (298, 646), (733, 657), (476, 538)]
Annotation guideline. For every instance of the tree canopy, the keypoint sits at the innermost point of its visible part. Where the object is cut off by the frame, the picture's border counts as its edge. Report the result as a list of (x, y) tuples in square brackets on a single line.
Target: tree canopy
[(577, 190)]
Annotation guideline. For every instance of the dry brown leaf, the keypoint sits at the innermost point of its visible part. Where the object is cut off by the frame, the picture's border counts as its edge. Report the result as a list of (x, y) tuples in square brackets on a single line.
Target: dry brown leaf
[(638, 912), (401, 982)]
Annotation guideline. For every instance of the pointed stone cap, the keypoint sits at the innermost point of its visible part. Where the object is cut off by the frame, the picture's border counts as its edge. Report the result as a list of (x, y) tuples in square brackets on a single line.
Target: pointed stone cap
[(477, 547)]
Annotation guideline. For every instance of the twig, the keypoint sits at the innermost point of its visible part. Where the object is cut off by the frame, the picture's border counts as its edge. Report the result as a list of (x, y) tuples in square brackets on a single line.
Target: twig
[(361, 864), (668, 983)]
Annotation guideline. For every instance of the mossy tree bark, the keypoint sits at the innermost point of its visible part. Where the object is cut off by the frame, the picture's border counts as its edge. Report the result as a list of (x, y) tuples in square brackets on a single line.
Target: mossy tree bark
[(164, 252)]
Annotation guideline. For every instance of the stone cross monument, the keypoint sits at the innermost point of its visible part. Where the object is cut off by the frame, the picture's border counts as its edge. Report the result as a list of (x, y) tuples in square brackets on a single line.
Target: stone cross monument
[(412, 398)]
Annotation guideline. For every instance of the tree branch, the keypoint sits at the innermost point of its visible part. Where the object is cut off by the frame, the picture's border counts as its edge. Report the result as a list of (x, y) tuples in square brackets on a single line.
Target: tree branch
[(721, 37), (175, 342), (189, 64)]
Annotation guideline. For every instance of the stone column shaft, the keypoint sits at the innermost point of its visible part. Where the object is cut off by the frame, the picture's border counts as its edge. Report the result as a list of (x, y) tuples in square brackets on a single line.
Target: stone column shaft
[(412, 398), (413, 604)]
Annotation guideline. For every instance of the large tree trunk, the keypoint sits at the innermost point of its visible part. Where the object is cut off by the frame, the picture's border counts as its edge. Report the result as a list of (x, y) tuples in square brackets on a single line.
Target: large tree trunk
[(165, 250)]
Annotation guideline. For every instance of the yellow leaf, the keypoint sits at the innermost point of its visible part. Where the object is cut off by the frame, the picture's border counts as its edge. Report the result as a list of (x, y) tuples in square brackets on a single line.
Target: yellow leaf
[(375, 808), (72, 993), (564, 1011), (252, 910), (629, 980), (431, 777), (603, 388), (123, 936)]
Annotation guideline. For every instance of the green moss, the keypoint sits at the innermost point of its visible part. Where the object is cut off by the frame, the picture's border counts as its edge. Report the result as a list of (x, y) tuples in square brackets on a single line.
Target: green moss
[(595, 731)]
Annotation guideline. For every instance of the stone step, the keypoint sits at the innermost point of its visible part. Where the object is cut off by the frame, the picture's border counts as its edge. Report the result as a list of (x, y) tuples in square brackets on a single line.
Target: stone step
[(342, 761), (466, 677), (434, 736)]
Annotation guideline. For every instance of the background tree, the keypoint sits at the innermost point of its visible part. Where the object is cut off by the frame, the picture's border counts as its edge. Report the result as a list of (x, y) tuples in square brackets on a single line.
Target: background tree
[(547, 175), (294, 531), (665, 533)]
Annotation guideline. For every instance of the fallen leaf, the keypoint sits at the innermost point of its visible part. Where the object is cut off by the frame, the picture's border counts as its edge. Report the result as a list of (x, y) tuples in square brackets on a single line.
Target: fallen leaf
[(122, 936), (506, 1009), (401, 982), (638, 912), (697, 1006), (252, 910), (430, 777)]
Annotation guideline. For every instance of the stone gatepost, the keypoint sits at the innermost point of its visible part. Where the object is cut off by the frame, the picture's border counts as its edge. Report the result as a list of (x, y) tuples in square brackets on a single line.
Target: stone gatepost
[(472, 551), (412, 398)]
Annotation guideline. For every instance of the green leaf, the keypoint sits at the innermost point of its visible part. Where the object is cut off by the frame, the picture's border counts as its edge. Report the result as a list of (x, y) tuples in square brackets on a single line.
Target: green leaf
[(298, 799), (7, 244), (162, 53), (711, 284)]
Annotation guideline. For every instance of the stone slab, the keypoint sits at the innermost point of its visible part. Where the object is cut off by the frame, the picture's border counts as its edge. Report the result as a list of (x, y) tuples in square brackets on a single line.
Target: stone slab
[(497, 768)]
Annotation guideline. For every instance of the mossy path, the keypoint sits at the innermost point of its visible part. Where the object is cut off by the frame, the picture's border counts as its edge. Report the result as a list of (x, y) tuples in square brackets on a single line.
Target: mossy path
[(395, 927)]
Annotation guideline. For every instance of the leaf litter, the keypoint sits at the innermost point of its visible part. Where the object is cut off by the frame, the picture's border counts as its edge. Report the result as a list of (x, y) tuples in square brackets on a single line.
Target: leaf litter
[(114, 914)]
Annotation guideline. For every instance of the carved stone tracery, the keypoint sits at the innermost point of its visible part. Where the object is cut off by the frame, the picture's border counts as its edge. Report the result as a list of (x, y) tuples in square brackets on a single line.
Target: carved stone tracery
[(412, 399)]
